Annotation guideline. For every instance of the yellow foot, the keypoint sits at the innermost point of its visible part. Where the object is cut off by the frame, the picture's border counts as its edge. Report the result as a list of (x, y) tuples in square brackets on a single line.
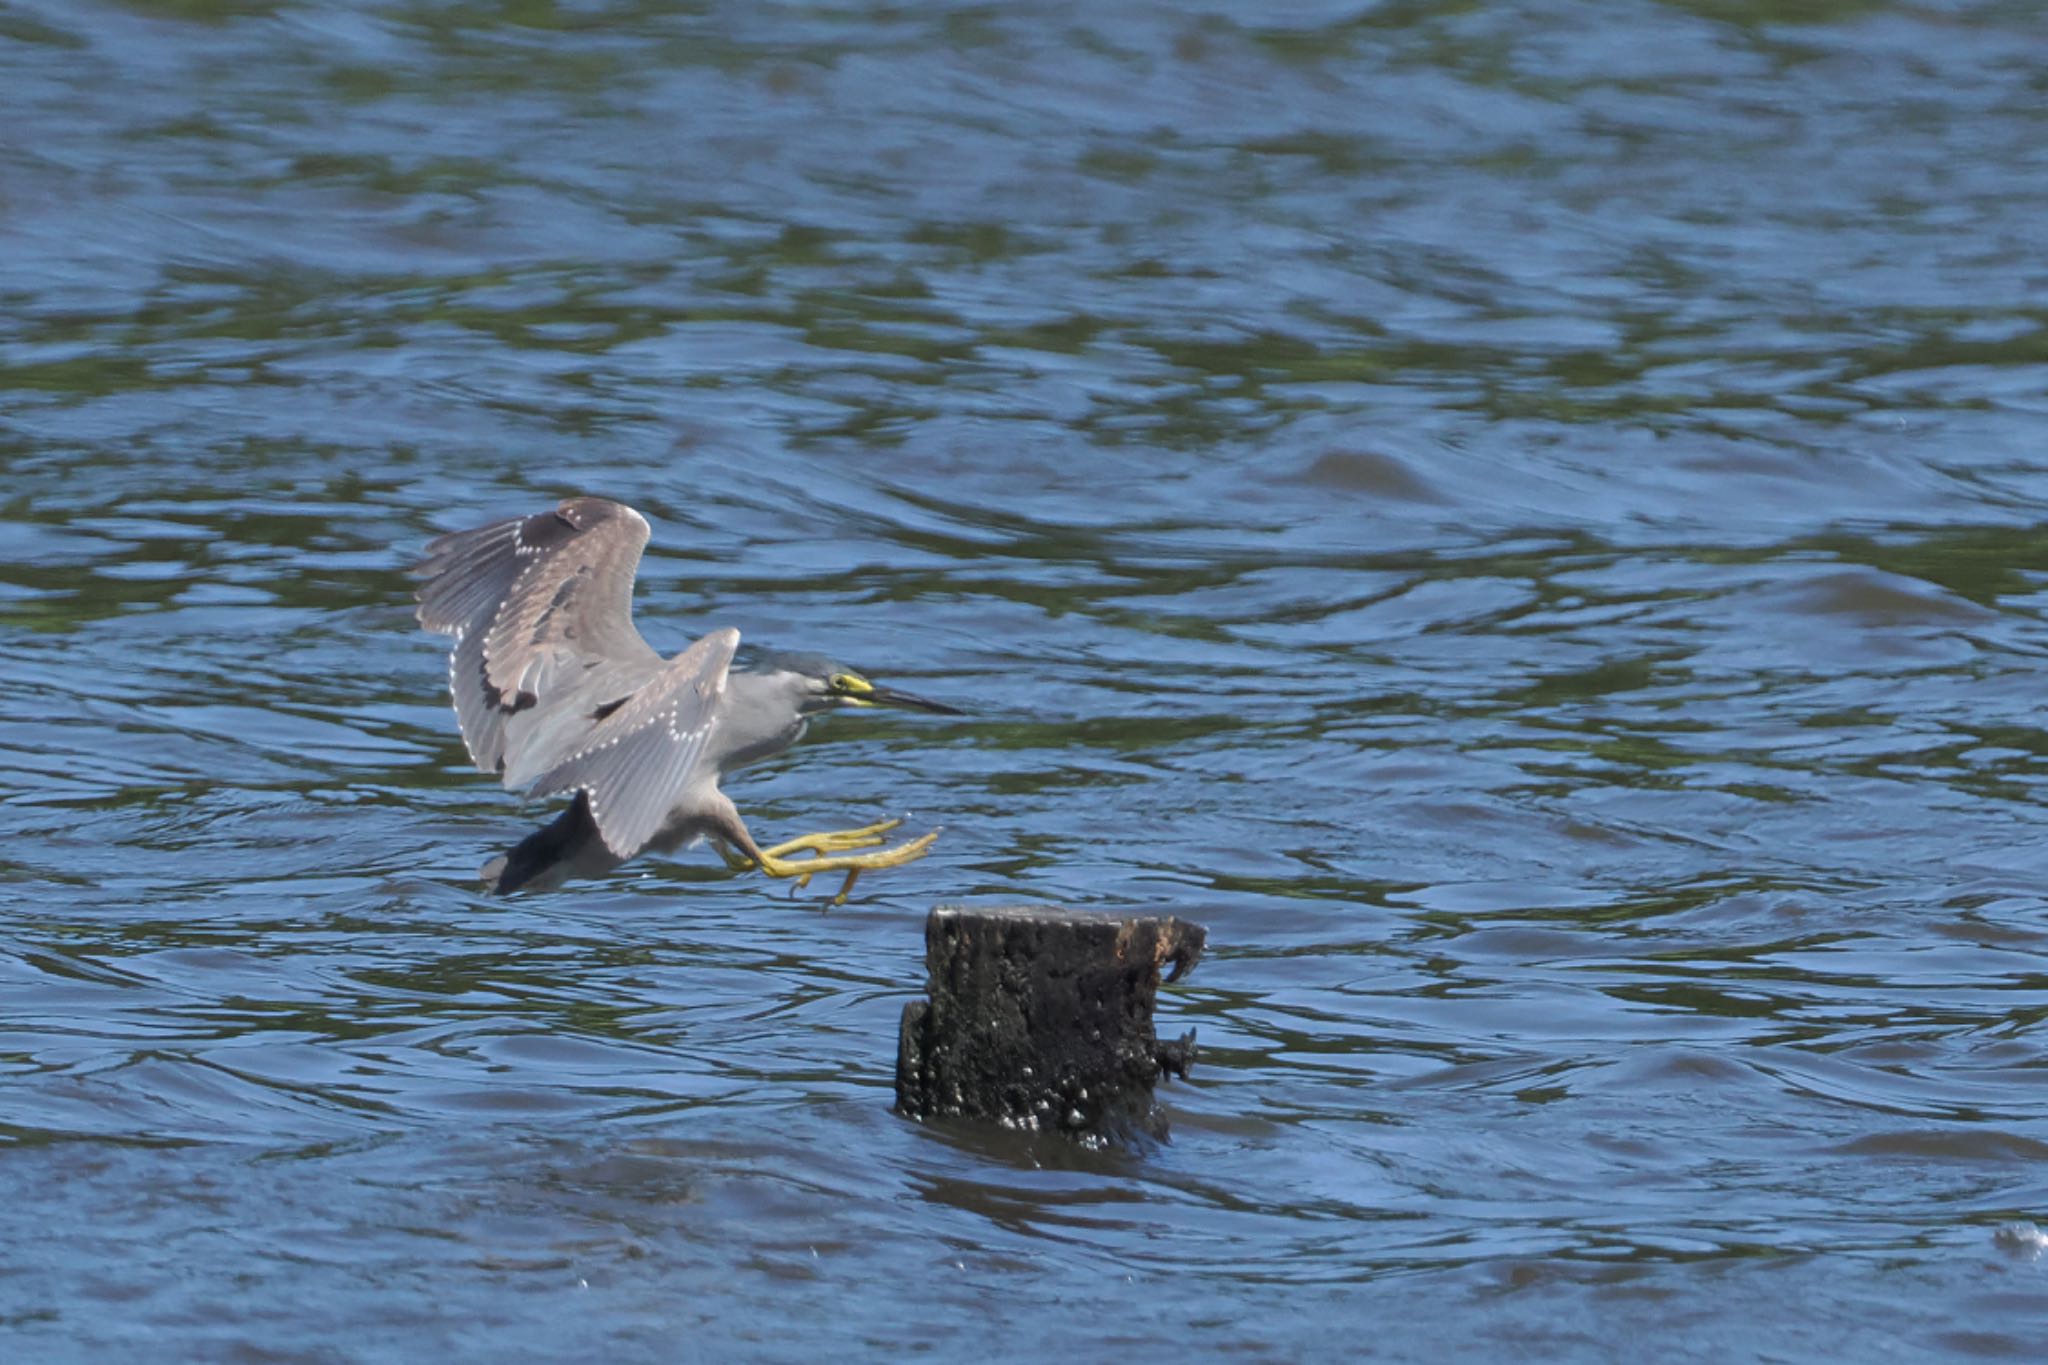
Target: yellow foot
[(834, 840), (826, 857), (831, 841)]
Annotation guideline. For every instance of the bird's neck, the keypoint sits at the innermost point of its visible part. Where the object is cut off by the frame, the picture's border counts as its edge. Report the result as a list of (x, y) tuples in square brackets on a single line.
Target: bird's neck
[(754, 695)]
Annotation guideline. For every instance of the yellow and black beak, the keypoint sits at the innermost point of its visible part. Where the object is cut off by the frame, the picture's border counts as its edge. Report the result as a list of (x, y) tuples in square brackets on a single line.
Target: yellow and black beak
[(855, 690), (889, 696)]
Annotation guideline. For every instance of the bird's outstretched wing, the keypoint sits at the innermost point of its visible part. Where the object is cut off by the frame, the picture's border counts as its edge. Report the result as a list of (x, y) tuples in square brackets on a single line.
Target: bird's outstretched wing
[(541, 609), (639, 761)]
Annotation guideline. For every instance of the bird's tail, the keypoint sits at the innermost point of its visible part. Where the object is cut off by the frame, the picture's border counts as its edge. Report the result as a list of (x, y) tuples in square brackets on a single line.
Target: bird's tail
[(549, 856)]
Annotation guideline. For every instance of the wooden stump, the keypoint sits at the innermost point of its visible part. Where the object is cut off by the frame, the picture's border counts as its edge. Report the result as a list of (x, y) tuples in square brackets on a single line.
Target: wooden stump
[(1041, 1018)]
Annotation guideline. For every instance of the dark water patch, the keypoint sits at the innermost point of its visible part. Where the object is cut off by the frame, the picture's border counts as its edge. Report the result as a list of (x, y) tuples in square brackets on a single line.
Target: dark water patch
[(1969, 1145)]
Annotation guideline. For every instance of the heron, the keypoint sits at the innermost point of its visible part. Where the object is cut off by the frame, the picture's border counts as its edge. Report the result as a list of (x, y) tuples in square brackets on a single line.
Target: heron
[(556, 692)]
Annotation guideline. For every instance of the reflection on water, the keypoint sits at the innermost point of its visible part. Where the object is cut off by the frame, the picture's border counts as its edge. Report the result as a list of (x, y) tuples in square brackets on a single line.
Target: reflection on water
[(1521, 519)]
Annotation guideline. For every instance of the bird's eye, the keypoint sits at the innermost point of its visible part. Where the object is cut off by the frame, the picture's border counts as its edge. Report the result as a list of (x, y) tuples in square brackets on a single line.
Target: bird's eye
[(850, 684)]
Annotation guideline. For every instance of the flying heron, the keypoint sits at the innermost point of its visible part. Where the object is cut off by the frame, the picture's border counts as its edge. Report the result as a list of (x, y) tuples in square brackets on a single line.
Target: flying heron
[(555, 691)]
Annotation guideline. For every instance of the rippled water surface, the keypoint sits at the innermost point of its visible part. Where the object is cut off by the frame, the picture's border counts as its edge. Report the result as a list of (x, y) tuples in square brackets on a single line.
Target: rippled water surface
[(1525, 519)]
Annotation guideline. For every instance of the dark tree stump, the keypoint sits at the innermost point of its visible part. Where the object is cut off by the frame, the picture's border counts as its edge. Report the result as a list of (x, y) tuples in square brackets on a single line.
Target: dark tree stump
[(1041, 1018)]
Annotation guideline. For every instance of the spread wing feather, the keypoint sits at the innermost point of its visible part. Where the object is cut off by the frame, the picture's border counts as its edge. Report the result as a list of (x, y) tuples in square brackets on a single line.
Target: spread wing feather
[(541, 611)]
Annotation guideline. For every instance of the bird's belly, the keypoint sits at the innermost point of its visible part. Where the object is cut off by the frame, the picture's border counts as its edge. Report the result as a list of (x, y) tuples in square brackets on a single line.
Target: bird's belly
[(681, 831)]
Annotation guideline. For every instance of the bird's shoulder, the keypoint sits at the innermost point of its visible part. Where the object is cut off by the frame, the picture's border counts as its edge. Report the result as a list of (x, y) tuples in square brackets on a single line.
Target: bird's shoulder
[(706, 663)]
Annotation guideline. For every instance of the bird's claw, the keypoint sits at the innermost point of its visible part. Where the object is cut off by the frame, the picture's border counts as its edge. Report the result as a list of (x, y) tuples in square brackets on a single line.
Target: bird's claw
[(845, 889)]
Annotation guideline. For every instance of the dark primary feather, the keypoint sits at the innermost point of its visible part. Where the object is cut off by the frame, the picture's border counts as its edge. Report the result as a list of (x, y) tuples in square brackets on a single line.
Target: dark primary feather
[(546, 849)]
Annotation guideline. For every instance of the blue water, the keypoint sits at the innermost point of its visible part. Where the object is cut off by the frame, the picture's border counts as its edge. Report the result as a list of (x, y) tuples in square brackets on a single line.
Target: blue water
[(1523, 519)]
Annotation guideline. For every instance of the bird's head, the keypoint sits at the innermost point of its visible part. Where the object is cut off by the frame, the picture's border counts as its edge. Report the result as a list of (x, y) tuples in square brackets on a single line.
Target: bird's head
[(828, 685)]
